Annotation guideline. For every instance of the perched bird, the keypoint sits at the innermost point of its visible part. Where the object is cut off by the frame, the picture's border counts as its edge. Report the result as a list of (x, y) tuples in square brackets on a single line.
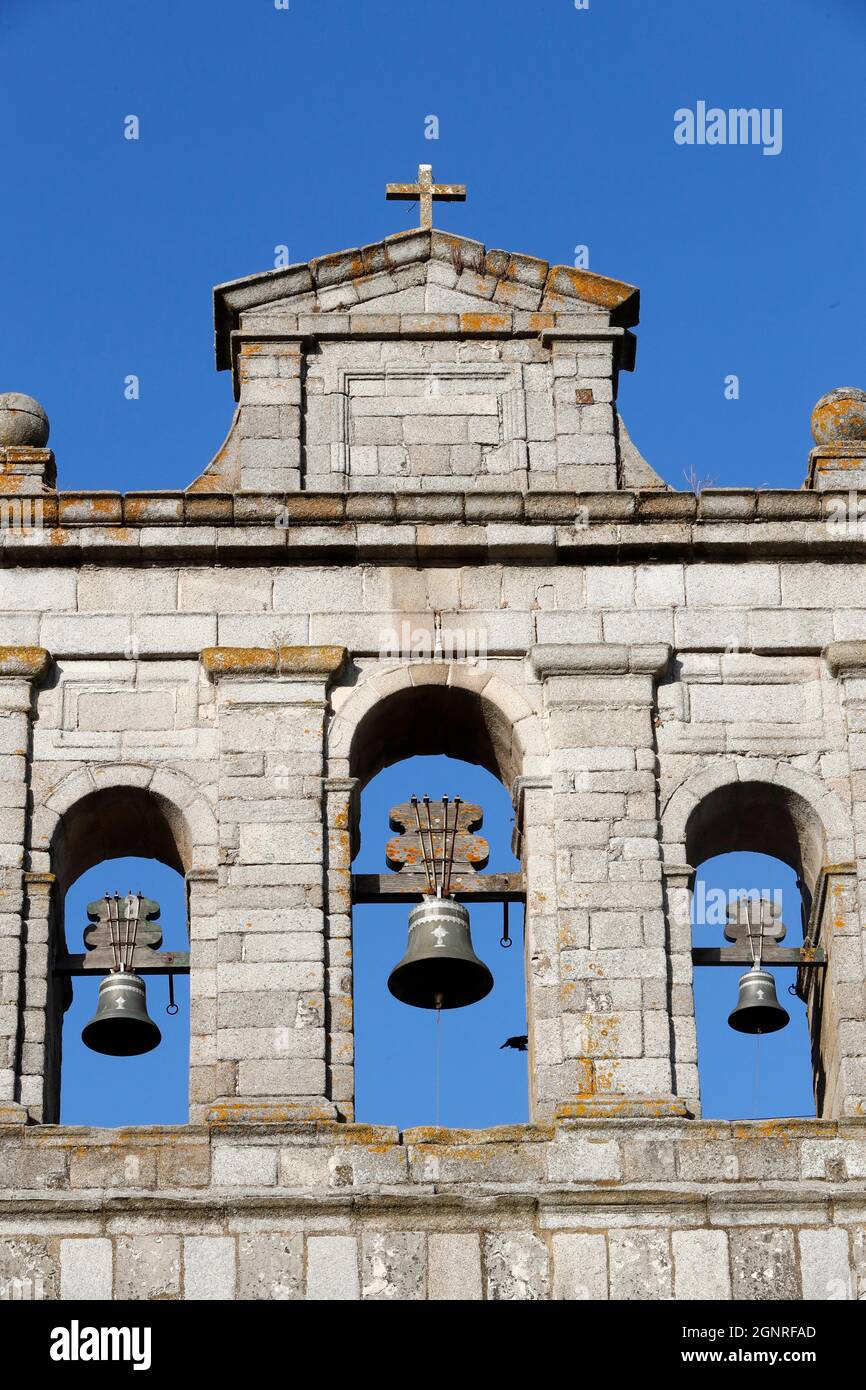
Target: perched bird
[(519, 1043)]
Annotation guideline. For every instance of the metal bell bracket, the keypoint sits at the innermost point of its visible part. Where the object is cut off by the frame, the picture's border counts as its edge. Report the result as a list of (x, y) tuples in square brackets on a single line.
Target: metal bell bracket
[(437, 837), (123, 935)]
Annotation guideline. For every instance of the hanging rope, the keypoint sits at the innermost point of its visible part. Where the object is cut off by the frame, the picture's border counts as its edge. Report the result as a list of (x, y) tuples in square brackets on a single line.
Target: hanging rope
[(438, 1106)]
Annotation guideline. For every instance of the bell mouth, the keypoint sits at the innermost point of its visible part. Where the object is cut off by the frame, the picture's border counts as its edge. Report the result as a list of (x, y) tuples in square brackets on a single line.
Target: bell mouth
[(457, 983), (137, 1038)]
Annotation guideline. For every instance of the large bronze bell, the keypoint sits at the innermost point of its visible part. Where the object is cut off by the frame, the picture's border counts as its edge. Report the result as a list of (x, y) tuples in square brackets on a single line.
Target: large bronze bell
[(121, 1026), (440, 970), (758, 1010)]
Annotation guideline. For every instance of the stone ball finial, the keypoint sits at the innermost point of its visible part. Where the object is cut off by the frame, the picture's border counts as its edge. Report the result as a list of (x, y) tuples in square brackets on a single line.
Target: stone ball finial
[(840, 416), (23, 422)]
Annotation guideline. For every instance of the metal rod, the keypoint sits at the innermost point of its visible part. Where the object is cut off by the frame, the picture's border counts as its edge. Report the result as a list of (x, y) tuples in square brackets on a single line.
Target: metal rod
[(436, 888), (505, 938), (128, 939), (457, 805), (135, 927), (445, 872), (423, 846), (112, 936)]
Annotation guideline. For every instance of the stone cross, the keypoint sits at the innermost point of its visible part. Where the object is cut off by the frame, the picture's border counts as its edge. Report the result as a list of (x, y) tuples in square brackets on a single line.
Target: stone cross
[(426, 191)]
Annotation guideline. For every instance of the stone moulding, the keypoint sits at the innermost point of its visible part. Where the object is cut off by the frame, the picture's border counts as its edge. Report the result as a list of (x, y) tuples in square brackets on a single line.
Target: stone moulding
[(303, 528), (570, 659), (297, 662), (29, 663), (846, 658)]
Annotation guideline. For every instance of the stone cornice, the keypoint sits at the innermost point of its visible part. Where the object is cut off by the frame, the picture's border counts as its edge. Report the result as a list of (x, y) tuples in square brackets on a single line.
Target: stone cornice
[(293, 663), (846, 658), (418, 528), (69, 510), (29, 663), (600, 659)]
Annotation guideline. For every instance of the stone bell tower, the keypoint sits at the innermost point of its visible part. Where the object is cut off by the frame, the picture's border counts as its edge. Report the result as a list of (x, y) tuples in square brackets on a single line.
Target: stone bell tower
[(427, 437)]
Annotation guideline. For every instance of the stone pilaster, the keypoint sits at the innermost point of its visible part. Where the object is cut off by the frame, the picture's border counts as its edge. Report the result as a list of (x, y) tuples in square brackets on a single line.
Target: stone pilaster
[(340, 804), (25, 472), (208, 1076), (838, 1009), (271, 1049), (584, 367), (536, 849), (678, 880), (20, 667), (270, 384), (611, 963)]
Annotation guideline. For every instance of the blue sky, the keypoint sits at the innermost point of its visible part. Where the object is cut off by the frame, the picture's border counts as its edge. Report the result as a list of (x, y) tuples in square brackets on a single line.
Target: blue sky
[(262, 127)]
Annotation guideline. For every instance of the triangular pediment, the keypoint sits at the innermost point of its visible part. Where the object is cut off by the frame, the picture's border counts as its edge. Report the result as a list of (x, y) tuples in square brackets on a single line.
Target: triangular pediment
[(423, 272)]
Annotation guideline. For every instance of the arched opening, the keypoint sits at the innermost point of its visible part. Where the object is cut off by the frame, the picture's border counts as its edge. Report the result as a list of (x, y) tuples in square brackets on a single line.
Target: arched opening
[(148, 1089), (117, 839), (757, 841), (436, 719), (437, 739)]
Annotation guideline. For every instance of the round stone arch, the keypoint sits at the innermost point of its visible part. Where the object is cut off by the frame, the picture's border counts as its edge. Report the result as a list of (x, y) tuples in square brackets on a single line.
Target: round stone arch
[(396, 712), (404, 710), (768, 808), (105, 811), (100, 812)]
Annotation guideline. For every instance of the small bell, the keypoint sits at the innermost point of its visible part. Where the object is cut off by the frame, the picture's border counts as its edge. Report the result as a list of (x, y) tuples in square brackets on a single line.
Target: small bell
[(758, 1010), (121, 1026), (440, 969)]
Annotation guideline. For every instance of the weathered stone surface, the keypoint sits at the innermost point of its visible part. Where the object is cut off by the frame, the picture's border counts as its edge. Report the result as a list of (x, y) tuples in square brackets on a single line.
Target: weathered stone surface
[(763, 1264), (640, 1265), (454, 1267), (147, 1267), (86, 1269), (517, 1267), (701, 1269), (825, 1269), (580, 1267), (332, 1268), (394, 1266), (270, 1266), (209, 1265), (28, 1268)]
